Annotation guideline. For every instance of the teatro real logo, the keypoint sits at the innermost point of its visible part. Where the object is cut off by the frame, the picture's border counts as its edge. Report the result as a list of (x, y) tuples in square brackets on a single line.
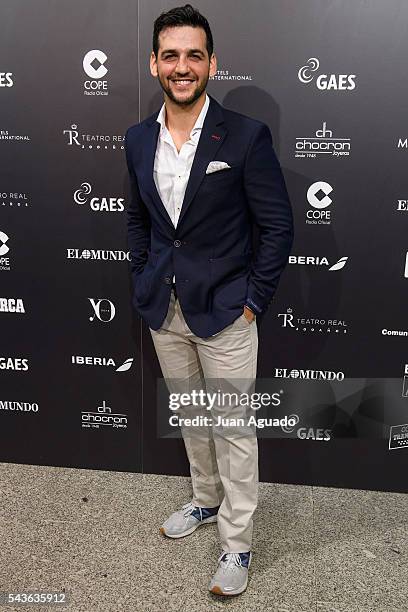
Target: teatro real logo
[(324, 82), (311, 324), (106, 362), (97, 204), (103, 417), (16, 200), (98, 255), (75, 138), (323, 143), (94, 64), (320, 262), (103, 309)]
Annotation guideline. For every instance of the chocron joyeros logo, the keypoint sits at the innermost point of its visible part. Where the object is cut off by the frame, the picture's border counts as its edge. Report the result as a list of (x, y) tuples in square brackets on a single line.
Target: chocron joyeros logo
[(324, 82)]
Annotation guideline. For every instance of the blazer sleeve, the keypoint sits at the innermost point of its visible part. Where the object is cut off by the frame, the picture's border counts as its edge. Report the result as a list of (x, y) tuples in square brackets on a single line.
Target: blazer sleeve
[(138, 219), (271, 210)]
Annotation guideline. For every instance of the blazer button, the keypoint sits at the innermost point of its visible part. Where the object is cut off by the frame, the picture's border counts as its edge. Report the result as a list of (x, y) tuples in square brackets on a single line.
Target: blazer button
[(167, 280), (177, 243)]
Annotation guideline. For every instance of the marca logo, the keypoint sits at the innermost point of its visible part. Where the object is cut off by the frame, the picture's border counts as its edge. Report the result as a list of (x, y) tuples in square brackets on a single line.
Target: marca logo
[(98, 204), (11, 305), (325, 82), (317, 261)]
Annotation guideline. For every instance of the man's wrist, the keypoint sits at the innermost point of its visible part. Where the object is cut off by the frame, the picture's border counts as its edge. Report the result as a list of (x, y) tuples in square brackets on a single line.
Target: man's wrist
[(249, 313)]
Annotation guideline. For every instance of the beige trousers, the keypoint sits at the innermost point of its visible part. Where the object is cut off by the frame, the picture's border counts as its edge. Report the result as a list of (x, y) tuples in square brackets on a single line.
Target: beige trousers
[(223, 459)]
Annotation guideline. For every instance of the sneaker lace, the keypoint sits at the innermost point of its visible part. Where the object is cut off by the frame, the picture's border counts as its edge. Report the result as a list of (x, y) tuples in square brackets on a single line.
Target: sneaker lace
[(189, 509), (231, 558)]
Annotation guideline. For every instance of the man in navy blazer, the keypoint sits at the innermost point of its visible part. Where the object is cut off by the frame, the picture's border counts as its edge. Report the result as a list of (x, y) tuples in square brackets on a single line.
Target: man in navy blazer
[(198, 280), (210, 250)]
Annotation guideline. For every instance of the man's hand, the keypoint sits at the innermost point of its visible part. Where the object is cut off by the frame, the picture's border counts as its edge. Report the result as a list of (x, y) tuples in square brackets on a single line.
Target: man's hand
[(249, 314)]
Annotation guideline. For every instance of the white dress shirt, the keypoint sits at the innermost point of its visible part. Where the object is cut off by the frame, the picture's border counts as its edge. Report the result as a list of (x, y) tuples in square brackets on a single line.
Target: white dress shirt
[(172, 168)]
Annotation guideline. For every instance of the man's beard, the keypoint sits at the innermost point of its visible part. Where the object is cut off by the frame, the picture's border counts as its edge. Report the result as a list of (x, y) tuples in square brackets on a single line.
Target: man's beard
[(186, 101)]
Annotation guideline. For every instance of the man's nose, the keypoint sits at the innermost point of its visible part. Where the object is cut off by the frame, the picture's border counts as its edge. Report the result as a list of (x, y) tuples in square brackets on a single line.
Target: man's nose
[(182, 65)]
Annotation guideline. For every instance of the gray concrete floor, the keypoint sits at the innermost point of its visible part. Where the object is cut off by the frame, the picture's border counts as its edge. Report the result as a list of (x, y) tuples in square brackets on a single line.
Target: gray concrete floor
[(95, 535)]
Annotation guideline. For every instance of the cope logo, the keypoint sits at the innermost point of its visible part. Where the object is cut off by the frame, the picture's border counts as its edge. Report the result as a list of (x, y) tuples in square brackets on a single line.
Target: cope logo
[(94, 67), (319, 198), (4, 249), (97, 204), (325, 82)]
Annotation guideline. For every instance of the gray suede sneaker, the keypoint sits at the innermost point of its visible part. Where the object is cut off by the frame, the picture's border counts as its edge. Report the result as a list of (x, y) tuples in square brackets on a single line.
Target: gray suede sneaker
[(185, 521), (231, 577)]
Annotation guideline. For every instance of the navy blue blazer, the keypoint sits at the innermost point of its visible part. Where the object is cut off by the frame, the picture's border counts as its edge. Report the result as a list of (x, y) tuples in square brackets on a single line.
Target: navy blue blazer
[(217, 270)]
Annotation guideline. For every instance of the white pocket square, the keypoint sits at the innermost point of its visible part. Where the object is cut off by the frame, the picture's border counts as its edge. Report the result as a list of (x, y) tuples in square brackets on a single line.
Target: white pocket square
[(214, 166)]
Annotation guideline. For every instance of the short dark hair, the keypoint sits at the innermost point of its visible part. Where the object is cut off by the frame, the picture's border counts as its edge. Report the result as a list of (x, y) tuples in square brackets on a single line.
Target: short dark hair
[(182, 16)]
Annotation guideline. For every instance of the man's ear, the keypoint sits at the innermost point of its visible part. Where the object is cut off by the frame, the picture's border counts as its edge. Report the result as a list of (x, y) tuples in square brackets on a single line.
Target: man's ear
[(153, 64), (213, 65)]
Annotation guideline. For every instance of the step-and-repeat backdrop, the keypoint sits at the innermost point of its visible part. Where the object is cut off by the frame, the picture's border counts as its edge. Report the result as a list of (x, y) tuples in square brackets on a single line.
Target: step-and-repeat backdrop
[(78, 371)]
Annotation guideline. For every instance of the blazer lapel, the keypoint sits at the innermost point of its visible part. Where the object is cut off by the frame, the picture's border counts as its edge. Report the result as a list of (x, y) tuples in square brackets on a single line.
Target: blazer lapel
[(212, 136), (150, 151)]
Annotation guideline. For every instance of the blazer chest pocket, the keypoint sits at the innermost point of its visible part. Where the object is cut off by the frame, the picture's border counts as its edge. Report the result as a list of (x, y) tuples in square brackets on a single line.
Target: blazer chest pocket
[(225, 174)]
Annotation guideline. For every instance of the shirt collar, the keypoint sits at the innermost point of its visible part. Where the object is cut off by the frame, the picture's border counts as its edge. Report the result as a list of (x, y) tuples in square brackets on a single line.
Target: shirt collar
[(198, 124)]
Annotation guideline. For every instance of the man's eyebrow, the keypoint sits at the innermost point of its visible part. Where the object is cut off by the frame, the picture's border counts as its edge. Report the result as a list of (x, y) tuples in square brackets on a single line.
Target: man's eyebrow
[(175, 51)]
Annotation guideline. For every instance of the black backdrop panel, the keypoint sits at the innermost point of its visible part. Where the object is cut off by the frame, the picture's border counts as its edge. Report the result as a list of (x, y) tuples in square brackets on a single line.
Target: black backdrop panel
[(78, 371)]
